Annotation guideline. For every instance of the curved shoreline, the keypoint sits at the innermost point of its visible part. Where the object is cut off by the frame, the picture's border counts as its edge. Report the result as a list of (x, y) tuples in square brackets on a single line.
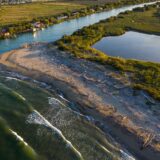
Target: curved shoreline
[(106, 7), (93, 88), (147, 48)]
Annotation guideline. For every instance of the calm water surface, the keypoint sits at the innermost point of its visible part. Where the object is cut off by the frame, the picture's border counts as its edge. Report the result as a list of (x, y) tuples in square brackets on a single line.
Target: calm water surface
[(55, 32), (132, 45)]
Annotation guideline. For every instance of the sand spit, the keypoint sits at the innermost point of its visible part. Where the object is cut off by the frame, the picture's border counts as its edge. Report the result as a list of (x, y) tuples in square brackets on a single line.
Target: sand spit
[(99, 91)]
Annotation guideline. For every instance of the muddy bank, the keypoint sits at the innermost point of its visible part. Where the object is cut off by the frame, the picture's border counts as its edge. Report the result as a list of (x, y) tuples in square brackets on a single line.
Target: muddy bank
[(131, 117)]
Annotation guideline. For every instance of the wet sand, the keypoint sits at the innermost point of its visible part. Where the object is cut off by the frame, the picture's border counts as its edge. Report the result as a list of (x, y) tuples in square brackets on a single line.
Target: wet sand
[(131, 117)]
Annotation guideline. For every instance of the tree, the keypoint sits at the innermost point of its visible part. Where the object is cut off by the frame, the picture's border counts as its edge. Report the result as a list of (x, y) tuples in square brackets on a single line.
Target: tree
[(0, 3)]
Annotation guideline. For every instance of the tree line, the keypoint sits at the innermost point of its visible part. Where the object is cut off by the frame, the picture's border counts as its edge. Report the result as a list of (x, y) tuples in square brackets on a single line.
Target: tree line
[(14, 1)]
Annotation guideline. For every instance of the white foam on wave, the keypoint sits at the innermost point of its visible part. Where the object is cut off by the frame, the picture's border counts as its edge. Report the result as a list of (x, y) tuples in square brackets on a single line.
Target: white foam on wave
[(55, 101), (12, 78), (36, 118), (19, 137), (19, 95), (105, 149), (61, 96), (126, 156)]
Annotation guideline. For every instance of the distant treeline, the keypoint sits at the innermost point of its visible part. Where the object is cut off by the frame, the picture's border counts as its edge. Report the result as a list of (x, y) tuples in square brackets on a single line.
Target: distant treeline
[(2, 2), (14, 1)]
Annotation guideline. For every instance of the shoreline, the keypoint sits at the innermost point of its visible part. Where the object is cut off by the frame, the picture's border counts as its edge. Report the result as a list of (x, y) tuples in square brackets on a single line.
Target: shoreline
[(80, 44), (100, 92), (97, 90)]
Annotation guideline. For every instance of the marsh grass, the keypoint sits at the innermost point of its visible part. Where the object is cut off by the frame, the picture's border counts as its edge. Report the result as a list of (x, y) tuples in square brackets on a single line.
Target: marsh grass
[(145, 75)]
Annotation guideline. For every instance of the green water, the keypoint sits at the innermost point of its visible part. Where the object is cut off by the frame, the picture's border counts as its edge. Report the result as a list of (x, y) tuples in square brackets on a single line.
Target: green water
[(38, 125)]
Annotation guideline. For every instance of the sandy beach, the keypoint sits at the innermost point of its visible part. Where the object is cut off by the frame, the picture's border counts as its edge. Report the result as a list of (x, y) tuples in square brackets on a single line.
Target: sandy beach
[(131, 117)]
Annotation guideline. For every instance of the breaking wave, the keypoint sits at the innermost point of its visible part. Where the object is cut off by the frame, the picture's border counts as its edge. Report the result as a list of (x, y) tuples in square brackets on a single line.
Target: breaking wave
[(126, 156), (36, 118), (19, 137), (54, 102)]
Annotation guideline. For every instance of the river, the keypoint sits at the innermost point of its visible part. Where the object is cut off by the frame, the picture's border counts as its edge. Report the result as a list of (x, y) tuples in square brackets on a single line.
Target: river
[(55, 32)]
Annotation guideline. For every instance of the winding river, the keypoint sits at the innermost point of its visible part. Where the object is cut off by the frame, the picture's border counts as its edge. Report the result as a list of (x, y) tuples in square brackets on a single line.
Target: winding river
[(55, 32)]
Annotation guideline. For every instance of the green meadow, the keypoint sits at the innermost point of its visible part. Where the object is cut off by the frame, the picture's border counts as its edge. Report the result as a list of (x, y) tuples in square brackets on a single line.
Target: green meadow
[(12, 14), (16, 19)]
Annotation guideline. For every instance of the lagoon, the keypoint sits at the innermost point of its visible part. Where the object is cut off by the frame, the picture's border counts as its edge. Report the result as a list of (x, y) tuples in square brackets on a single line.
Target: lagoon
[(131, 45)]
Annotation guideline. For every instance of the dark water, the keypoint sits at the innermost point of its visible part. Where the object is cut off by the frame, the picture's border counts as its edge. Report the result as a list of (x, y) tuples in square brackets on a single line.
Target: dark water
[(132, 45), (55, 32)]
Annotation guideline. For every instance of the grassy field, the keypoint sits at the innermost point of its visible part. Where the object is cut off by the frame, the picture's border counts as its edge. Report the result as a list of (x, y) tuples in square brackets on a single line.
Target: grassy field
[(16, 19), (91, 2), (10, 14), (145, 75), (13, 14), (143, 20)]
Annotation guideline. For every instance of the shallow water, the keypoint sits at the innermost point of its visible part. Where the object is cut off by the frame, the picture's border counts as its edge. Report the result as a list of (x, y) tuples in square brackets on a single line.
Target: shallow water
[(55, 32), (50, 126), (132, 45)]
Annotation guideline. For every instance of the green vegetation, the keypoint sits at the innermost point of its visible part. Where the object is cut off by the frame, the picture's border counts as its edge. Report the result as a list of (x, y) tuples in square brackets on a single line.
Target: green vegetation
[(47, 14), (144, 75), (21, 18), (13, 14)]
